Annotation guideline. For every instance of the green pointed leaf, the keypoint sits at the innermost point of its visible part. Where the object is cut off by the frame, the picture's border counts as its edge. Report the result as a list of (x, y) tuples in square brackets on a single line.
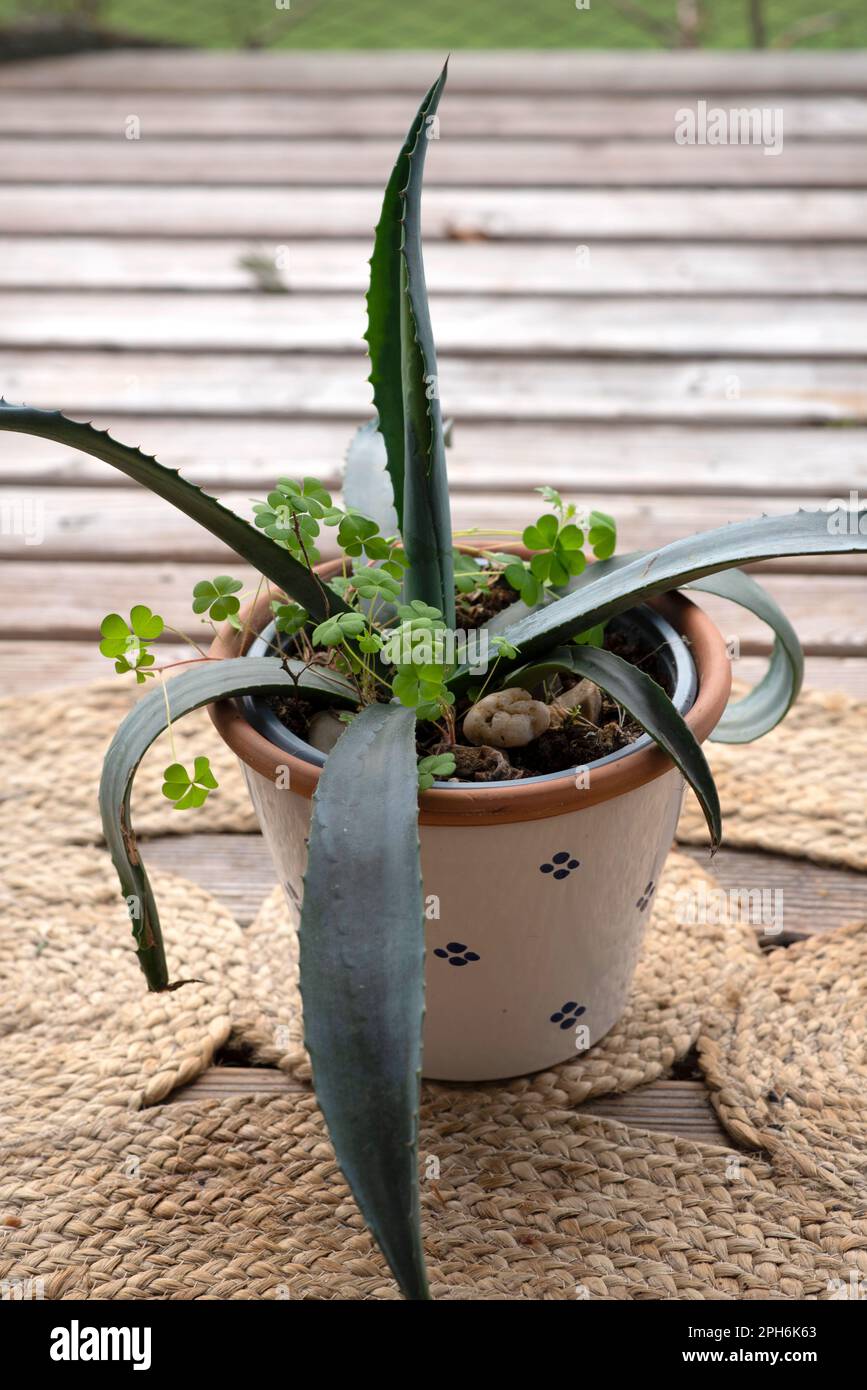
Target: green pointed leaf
[(647, 702), (362, 974), (254, 547), (404, 372)]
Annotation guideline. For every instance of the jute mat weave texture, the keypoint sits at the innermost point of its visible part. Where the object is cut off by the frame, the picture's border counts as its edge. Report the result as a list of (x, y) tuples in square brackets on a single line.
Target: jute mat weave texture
[(109, 1192)]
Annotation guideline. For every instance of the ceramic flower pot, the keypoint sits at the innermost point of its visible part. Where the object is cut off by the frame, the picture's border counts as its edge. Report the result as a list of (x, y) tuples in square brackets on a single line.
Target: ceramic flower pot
[(538, 892)]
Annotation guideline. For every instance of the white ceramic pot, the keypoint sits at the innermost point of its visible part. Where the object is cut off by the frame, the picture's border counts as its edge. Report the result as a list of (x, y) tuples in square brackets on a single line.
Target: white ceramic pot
[(538, 892), (533, 928)]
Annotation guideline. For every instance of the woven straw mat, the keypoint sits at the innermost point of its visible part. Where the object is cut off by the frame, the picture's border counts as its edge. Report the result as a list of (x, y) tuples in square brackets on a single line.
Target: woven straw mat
[(108, 1192)]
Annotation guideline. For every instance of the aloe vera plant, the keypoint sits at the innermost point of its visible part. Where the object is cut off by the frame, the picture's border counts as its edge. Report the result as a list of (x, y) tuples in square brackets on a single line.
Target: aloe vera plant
[(338, 641)]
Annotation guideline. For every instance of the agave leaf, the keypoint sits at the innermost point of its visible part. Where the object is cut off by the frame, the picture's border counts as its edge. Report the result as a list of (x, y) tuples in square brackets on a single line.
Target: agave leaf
[(404, 373), (362, 974), (197, 686), (647, 702), (248, 542), (623, 585), (769, 701)]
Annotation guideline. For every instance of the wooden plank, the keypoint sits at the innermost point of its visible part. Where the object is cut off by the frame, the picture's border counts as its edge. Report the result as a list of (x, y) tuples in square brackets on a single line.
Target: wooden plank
[(505, 268), (70, 524), (669, 1107), (827, 610), (802, 899), (25, 669), (727, 391), (821, 673), (581, 216), (493, 116), (249, 453), (504, 163), (542, 72), (488, 326)]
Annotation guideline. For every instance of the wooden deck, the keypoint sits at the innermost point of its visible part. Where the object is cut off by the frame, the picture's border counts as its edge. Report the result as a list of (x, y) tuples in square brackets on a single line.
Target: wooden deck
[(678, 333)]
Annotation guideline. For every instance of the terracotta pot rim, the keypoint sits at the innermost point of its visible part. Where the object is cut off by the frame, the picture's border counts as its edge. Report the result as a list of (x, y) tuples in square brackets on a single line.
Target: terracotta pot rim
[(503, 801)]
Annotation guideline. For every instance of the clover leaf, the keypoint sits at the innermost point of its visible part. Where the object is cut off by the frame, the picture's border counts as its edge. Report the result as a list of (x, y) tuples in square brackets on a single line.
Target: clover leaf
[(292, 513), (188, 791), (559, 550), (216, 597), (602, 535), (309, 496), (592, 637), (358, 535), (336, 629), (529, 587), (467, 571), (543, 535), (408, 612), (435, 766), (289, 618), (372, 582), (125, 642)]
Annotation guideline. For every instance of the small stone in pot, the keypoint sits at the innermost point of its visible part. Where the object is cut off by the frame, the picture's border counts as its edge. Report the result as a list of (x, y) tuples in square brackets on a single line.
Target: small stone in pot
[(324, 730), (506, 719), (584, 695)]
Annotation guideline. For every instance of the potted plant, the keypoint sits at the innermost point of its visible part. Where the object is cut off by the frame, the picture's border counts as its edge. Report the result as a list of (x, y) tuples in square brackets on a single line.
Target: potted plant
[(468, 764)]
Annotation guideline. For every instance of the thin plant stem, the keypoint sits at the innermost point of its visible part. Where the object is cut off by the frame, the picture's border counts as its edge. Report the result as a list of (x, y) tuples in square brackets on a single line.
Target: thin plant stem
[(169, 730)]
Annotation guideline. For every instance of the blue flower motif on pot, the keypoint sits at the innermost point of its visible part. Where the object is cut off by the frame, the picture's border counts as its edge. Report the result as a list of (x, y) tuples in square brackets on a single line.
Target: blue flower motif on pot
[(644, 901), (456, 954), (560, 865), (568, 1014)]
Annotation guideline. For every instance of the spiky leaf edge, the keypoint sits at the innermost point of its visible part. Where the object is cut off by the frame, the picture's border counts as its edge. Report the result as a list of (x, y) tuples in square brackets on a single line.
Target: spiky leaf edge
[(252, 545)]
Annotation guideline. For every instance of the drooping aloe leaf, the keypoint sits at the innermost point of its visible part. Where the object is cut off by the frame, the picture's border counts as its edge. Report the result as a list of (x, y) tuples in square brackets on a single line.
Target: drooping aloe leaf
[(367, 484), (404, 372), (198, 685), (248, 542), (362, 974), (622, 586), (647, 702), (769, 701)]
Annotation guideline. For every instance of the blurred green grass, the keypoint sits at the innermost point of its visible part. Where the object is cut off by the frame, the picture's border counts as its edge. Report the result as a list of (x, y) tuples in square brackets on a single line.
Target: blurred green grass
[(441, 24)]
